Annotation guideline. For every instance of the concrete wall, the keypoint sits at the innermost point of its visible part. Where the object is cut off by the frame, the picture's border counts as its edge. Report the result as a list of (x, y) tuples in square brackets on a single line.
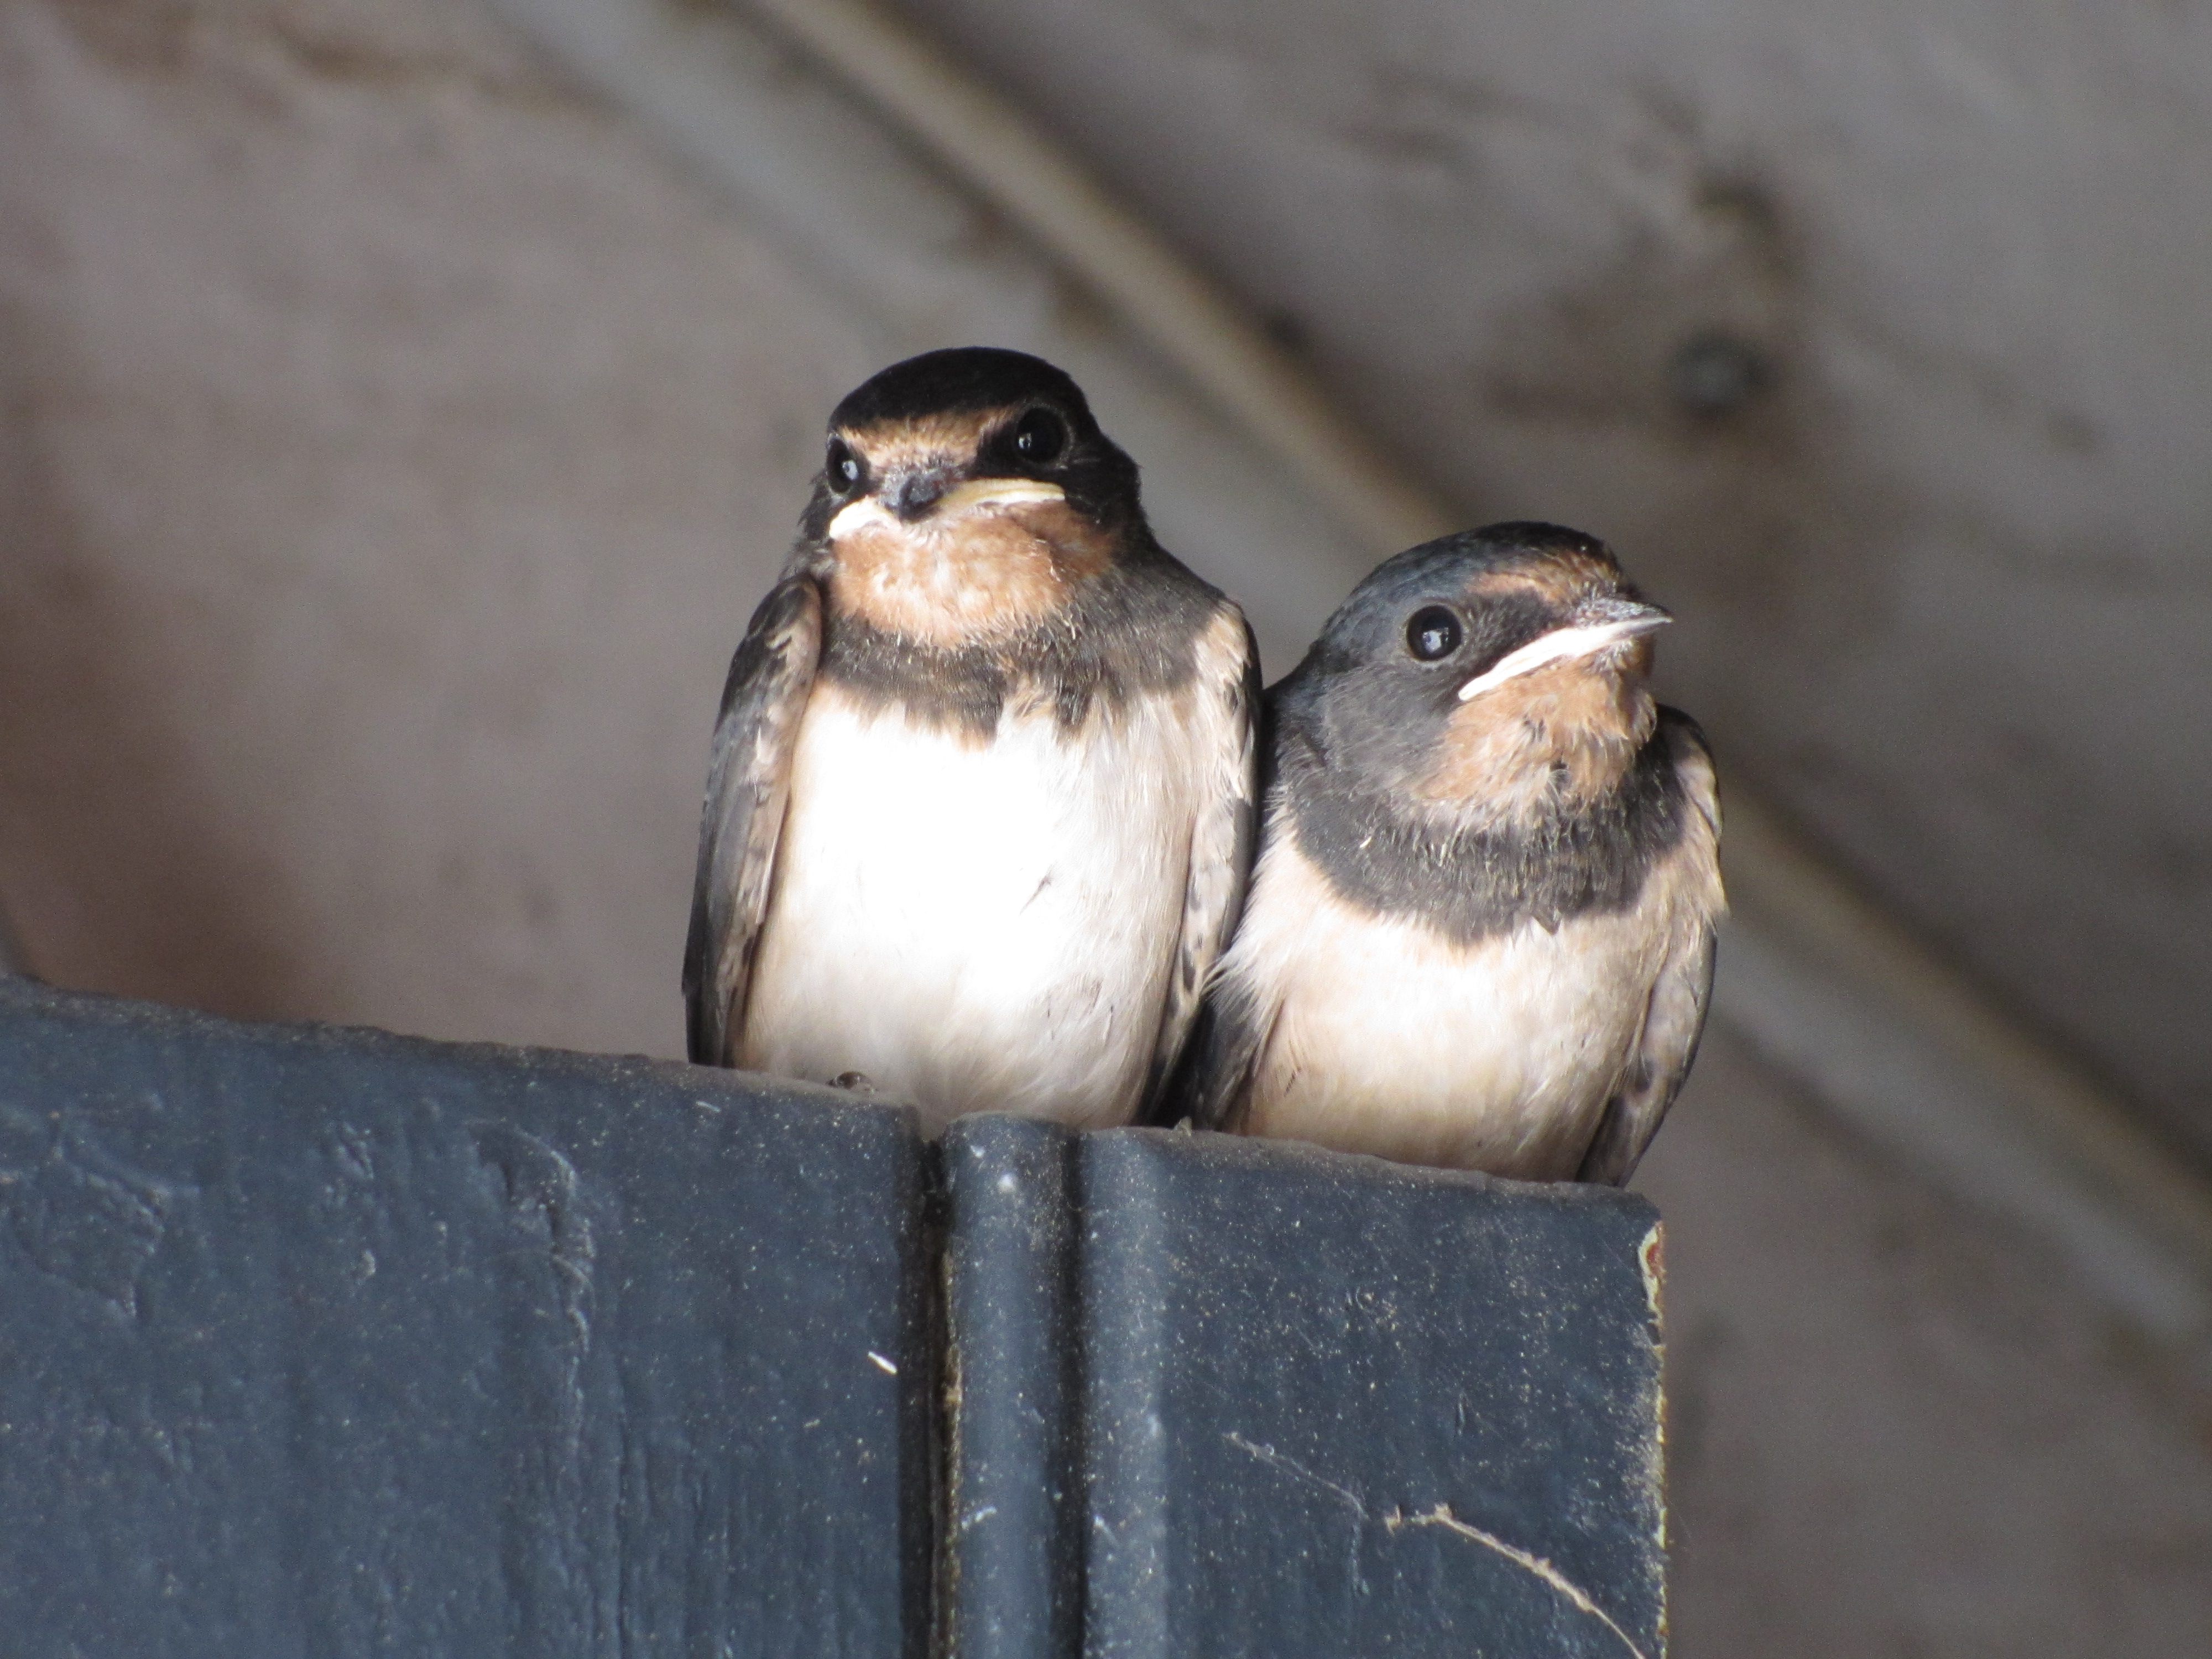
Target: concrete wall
[(1893, 1430), (394, 448), (394, 442)]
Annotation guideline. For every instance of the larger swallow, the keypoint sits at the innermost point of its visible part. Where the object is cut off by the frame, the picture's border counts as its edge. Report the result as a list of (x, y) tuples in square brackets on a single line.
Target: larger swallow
[(1481, 931), (982, 795)]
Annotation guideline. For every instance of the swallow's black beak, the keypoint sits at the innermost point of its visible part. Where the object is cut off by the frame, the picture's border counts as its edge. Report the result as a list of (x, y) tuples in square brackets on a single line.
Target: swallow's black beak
[(1628, 618), (913, 493)]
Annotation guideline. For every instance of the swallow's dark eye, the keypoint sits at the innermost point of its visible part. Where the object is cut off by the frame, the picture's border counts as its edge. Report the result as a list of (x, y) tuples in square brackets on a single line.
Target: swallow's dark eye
[(1040, 437), (841, 466), (1432, 633)]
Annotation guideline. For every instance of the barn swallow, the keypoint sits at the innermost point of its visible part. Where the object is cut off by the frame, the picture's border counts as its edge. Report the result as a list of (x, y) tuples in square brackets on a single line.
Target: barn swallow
[(984, 784), (1480, 934)]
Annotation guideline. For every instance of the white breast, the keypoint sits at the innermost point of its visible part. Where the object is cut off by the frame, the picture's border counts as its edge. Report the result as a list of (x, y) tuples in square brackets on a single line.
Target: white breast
[(977, 925), (1389, 1039)]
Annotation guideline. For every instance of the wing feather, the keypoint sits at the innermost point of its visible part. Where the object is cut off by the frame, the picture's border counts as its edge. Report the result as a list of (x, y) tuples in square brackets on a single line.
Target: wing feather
[(1213, 1087), (1676, 1016), (748, 782), (1226, 730)]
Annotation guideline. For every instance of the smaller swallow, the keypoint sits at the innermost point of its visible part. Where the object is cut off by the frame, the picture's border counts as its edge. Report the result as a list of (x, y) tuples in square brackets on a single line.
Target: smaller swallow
[(1480, 932)]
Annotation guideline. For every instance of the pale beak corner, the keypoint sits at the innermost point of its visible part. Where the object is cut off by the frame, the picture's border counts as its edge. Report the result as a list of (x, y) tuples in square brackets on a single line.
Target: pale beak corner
[(908, 498), (998, 492), (1598, 625)]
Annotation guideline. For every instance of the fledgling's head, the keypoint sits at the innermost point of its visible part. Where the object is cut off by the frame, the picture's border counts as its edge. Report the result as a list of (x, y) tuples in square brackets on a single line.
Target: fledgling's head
[(1493, 674), (963, 491)]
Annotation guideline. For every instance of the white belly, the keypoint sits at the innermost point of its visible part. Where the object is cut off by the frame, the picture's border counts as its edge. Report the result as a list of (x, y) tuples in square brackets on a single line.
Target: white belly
[(1387, 1039), (977, 926)]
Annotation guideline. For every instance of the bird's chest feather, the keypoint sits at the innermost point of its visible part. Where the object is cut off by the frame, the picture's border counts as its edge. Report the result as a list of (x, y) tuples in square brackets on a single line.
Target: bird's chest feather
[(1389, 1038), (976, 922)]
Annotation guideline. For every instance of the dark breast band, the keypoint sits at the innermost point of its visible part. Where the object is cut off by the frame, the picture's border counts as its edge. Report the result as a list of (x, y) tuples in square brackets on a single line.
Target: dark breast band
[(1478, 884), (1130, 631)]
